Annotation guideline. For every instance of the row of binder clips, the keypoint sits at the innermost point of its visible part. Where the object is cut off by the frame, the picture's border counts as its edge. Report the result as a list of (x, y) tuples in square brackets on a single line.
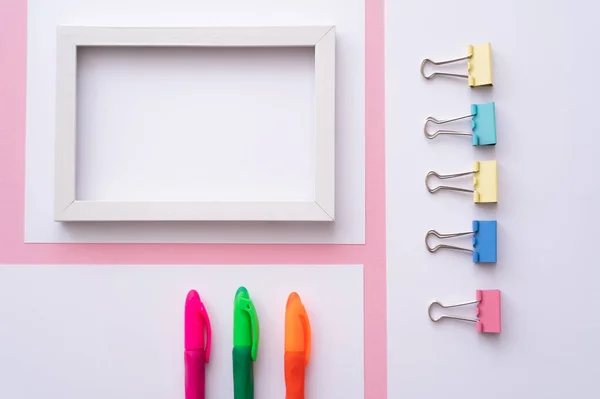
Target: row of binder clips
[(485, 184)]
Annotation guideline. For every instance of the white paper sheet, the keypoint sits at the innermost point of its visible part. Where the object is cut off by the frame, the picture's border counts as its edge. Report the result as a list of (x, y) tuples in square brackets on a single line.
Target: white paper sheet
[(117, 331), (44, 16), (547, 201)]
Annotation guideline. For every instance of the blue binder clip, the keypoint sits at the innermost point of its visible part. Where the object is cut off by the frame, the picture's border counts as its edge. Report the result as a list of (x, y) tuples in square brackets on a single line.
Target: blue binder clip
[(483, 125), (484, 241)]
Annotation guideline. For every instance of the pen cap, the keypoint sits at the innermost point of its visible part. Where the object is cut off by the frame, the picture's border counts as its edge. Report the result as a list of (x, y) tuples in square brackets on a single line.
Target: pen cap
[(197, 324), (245, 322), (297, 327)]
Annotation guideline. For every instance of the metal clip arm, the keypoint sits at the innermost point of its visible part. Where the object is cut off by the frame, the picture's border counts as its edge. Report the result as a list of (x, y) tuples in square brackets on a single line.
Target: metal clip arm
[(451, 306), (444, 177), (444, 131), (434, 74), (442, 236)]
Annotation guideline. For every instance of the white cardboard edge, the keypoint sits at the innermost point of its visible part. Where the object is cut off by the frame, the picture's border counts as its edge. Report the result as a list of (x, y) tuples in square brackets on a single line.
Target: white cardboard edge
[(325, 122), (182, 211)]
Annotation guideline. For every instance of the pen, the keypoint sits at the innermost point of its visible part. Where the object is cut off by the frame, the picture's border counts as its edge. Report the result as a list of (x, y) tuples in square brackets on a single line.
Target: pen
[(297, 346), (245, 344), (197, 351)]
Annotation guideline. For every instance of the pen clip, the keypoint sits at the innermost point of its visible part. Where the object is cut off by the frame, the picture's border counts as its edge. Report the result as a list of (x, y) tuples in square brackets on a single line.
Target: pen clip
[(204, 316), (248, 306), (307, 335)]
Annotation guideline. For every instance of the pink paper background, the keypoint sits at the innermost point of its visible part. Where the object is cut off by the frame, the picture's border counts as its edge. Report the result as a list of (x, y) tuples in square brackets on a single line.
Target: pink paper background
[(13, 48)]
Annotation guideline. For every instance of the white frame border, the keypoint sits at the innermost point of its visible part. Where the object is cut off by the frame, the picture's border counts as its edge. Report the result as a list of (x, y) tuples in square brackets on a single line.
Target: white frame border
[(68, 208)]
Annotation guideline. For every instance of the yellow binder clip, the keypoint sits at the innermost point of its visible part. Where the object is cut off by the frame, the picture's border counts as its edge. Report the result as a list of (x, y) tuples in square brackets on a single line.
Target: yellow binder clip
[(479, 65), (485, 182)]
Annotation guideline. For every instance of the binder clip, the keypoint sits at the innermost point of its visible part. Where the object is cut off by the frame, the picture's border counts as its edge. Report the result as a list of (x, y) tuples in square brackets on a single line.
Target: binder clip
[(483, 125), (479, 65), (485, 182), (484, 241), (488, 311)]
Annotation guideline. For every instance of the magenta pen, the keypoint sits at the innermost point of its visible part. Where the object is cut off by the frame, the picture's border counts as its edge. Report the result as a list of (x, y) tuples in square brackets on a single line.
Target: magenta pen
[(197, 346)]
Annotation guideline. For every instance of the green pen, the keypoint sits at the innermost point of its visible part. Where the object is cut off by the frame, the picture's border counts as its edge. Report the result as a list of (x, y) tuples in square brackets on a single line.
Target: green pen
[(245, 344)]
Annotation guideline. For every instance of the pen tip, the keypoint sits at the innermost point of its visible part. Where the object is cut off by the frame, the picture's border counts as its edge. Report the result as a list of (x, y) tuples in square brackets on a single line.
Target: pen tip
[(241, 290), (192, 296), (292, 298)]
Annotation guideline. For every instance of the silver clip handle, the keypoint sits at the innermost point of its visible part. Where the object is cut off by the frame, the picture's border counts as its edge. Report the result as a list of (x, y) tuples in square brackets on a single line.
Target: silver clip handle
[(434, 74), (444, 177), (443, 236), (443, 131), (450, 306)]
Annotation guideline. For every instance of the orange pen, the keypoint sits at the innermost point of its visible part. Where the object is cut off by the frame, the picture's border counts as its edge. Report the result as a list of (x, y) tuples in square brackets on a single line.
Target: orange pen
[(297, 347)]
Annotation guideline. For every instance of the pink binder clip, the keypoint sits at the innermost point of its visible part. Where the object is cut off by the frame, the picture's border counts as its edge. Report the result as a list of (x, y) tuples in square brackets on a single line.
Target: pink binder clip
[(488, 311)]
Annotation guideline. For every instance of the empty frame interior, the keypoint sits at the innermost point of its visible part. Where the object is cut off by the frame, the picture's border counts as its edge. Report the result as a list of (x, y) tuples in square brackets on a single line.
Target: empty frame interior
[(195, 124)]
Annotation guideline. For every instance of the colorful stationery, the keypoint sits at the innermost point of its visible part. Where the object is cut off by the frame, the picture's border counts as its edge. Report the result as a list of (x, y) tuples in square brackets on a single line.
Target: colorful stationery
[(484, 241), (479, 66), (488, 311), (485, 182), (197, 349), (297, 347), (245, 344), (483, 125)]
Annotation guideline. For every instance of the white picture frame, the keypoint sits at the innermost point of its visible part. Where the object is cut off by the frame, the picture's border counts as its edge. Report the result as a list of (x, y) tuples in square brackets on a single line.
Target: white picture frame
[(69, 209)]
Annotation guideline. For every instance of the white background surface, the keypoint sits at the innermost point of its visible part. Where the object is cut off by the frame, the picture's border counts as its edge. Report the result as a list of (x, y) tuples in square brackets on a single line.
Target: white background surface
[(196, 124), (44, 16), (546, 95), (117, 331)]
